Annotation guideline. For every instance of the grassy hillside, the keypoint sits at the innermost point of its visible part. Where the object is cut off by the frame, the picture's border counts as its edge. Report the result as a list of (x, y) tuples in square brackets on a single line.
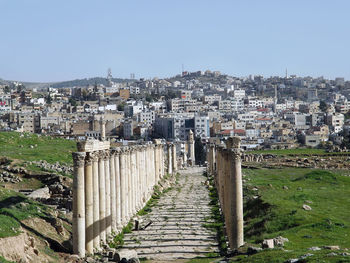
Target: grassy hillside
[(14, 208), (278, 210), (301, 151), (32, 147)]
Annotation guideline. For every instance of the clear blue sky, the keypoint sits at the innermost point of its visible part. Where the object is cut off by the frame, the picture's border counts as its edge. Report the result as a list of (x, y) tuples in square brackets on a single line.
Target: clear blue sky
[(51, 40)]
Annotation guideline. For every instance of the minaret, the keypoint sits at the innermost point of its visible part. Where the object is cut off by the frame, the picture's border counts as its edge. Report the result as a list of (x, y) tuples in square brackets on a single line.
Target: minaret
[(191, 147)]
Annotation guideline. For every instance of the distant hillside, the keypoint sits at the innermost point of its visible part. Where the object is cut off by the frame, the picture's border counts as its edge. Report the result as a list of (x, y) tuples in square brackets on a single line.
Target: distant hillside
[(70, 83), (86, 82)]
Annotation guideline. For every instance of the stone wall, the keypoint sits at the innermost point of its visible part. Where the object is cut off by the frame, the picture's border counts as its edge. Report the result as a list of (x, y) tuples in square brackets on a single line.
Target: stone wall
[(224, 164), (110, 185)]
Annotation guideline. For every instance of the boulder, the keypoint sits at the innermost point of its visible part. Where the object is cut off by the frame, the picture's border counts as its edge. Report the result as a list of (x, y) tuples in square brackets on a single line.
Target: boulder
[(307, 207)]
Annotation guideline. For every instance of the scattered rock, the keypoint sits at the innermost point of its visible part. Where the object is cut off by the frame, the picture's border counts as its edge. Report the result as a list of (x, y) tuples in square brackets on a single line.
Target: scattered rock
[(331, 247), (285, 187), (332, 254), (306, 255), (307, 208), (345, 254), (253, 250), (292, 260), (314, 248), (279, 241)]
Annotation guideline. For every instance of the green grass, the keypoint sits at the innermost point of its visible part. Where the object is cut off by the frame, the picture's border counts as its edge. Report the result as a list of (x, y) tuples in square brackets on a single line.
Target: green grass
[(3, 260), (217, 224), (299, 151), (15, 207), (47, 148), (279, 211)]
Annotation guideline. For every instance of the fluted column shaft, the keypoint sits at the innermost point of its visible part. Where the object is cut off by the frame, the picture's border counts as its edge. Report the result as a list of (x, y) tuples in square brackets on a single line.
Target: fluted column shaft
[(170, 161), (113, 191), (118, 188), (123, 185), (89, 216), (102, 196), (79, 204), (96, 202)]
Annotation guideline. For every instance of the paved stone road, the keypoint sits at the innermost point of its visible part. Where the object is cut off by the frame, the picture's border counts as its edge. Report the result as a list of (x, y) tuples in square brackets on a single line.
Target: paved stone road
[(177, 223)]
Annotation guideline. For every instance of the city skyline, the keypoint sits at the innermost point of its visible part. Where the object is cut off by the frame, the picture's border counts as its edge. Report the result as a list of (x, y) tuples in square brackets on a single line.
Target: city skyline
[(57, 41)]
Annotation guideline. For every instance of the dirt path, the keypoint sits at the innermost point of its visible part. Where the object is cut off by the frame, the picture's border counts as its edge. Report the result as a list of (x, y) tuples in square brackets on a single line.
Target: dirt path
[(177, 230)]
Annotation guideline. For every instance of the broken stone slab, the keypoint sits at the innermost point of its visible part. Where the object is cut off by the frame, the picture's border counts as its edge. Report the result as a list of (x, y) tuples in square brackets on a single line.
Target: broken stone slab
[(331, 247), (267, 243), (42, 193)]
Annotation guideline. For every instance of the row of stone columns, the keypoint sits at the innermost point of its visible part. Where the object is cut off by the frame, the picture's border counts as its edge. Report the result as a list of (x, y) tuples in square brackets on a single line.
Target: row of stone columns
[(110, 185), (224, 163)]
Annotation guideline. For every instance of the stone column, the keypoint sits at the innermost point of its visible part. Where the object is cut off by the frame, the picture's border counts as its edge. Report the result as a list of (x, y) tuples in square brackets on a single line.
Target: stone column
[(191, 147), (138, 176), (118, 188), (170, 161), (78, 204), (133, 177), (128, 185), (96, 201), (236, 238), (156, 163), (89, 213), (108, 193), (102, 195), (144, 174), (174, 158), (162, 160), (123, 185), (113, 191)]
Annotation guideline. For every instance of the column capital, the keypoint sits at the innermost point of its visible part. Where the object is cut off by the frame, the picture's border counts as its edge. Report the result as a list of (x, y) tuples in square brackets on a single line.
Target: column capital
[(106, 155), (79, 158), (89, 158), (236, 153), (94, 156)]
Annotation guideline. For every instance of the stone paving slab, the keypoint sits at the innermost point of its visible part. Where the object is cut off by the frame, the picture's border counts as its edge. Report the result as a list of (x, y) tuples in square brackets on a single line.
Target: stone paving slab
[(177, 230)]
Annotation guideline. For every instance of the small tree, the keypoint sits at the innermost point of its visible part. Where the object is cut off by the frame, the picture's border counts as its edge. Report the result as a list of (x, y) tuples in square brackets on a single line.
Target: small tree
[(199, 151), (323, 106)]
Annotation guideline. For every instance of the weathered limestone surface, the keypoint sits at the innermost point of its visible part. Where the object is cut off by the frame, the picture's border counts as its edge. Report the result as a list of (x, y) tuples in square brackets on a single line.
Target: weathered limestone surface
[(177, 229)]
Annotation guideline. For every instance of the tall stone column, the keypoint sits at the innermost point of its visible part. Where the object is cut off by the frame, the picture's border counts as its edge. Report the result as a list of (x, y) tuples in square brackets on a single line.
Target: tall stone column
[(191, 147), (102, 195), (145, 173), (170, 161), (133, 182), (113, 191), (156, 161), (162, 160), (108, 193), (89, 216), (236, 238), (123, 185), (128, 185), (138, 176), (96, 201), (174, 158), (79, 204), (118, 187)]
